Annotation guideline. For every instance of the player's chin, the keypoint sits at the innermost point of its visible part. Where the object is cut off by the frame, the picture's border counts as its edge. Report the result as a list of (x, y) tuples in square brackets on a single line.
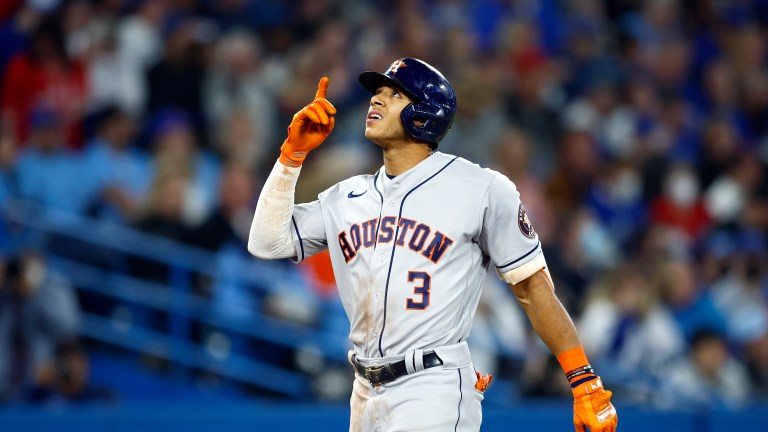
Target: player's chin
[(376, 139), (371, 133)]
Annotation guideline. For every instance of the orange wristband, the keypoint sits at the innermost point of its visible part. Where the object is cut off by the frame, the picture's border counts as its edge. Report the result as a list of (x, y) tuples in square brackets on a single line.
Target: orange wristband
[(572, 359)]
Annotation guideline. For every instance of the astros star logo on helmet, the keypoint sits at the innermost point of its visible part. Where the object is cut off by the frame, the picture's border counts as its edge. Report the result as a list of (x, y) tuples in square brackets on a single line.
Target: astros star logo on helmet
[(397, 65)]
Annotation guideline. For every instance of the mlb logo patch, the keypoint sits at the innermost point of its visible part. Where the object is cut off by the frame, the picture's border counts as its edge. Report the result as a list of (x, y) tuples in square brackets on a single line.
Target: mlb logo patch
[(525, 225)]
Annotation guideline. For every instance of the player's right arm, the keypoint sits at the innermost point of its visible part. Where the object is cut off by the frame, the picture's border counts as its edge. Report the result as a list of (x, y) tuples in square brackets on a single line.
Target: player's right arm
[(270, 235)]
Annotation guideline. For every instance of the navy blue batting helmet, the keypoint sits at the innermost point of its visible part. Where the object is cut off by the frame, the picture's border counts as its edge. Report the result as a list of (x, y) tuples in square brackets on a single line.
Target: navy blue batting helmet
[(430, 116)]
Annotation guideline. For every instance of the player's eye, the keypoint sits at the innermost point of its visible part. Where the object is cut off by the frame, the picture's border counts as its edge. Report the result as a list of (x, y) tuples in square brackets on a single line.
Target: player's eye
[(395, 93)]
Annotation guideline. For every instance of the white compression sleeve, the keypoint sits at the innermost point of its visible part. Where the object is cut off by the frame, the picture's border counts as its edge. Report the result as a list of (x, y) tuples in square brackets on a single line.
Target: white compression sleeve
[(270, 235), (526, 270)]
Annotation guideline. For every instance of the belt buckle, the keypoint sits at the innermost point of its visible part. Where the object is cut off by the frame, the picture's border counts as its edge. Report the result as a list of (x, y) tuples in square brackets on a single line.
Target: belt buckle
[(375, 374)]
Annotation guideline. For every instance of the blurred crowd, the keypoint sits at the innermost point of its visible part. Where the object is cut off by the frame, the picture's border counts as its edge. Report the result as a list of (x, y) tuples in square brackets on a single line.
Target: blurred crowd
[(41, 358), (636, 132)]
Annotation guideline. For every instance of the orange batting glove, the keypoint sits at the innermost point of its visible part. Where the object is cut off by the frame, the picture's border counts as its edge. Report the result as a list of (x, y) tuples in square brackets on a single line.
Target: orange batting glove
[(592, 406), (309, 128)]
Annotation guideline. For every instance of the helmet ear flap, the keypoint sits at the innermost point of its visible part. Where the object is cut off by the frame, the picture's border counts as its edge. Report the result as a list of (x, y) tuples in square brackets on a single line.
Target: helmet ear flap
[(407, 118), (426, 122)]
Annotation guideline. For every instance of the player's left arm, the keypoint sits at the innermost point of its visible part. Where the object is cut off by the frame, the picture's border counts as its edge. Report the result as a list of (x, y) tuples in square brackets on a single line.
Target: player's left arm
[(550, 320), (515, 250)]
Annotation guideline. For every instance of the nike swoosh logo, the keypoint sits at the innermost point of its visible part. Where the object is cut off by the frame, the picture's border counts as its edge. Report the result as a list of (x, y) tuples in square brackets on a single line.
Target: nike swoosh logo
[(353, 195)]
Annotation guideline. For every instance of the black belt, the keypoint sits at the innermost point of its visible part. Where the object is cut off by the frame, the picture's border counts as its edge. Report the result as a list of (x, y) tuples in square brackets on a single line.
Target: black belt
[(378, 375)]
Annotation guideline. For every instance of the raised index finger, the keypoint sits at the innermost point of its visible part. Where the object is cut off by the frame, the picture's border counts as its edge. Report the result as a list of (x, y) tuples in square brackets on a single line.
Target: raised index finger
[(322, 88)]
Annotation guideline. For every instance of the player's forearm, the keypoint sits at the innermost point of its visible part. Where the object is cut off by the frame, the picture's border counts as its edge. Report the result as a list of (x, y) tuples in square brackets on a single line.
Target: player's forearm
[(270, 235), (549, 318), (592, 403)]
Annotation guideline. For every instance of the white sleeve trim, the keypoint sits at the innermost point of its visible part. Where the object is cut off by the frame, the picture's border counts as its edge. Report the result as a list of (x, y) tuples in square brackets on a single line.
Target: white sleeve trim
[(525, 271), (270, 235)]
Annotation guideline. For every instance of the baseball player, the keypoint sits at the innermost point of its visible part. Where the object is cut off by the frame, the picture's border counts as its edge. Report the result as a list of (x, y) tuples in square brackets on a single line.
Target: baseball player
[(410, 247)]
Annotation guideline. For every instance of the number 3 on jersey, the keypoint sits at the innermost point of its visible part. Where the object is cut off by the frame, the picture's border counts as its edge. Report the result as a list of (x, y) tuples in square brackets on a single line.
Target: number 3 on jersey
[(423, 290)]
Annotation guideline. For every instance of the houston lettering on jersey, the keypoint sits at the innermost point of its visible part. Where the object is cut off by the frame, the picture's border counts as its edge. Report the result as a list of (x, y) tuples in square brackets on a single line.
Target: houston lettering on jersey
[(418, 237)]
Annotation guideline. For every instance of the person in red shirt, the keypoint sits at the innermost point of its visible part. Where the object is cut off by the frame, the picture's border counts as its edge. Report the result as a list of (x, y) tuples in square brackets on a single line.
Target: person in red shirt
[(680, 206), (44, 77)]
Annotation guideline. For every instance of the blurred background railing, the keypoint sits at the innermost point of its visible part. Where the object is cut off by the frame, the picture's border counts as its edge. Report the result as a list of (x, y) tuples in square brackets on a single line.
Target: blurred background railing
[(170, 320)]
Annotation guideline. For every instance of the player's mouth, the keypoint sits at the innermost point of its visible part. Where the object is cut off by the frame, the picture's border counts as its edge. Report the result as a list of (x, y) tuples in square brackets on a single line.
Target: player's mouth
[(372, 117)]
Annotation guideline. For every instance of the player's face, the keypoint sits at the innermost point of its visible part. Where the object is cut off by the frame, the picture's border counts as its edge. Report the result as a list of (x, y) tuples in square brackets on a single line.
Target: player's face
[(382, 125)]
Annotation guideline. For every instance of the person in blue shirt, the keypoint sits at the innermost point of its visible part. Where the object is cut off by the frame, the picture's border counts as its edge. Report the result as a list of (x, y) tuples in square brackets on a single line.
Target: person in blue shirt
[(118, 172), (46, 173), (691, 304)]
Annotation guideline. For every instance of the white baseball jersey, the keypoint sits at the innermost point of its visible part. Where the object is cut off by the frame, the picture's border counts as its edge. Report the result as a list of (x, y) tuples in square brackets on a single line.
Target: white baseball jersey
[(410, 253)]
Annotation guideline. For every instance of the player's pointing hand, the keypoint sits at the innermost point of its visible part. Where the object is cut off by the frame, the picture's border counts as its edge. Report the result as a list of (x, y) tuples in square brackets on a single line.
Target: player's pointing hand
[(309, 127), (322, 88)]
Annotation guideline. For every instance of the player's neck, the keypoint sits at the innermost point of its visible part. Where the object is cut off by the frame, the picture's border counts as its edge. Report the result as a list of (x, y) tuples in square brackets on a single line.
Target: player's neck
[(399, 159)]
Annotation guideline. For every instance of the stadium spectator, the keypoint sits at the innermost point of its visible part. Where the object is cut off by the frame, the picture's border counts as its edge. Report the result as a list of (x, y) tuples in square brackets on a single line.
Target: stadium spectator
[(577, 164), (756, 358), (140, 44), (513, 157), (117, 173), (65, 377), (15, 31), (176, 81), (38, 311), (76, 21), (164, 211), (163, 216), (114, 77), (230, 222), (237, 139), (616, 199), (719, 149), (691, 304), (8, 152), (237, 96), (47, 172), (709, 376), (740, 291), (481, 119), (45, 76), (176, 150), (728, 195), (639, 334), (680, 205)]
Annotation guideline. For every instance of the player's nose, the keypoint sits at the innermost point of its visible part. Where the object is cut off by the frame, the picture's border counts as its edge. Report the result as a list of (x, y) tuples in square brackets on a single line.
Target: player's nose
[(376, 100)]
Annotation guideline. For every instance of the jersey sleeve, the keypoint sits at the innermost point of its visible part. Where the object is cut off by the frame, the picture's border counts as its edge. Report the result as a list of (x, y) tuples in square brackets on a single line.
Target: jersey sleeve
[(507, 235), (308, 230)]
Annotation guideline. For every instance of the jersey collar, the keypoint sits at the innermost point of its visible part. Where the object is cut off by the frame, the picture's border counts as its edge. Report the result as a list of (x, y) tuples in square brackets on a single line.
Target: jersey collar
[(414, 175)]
